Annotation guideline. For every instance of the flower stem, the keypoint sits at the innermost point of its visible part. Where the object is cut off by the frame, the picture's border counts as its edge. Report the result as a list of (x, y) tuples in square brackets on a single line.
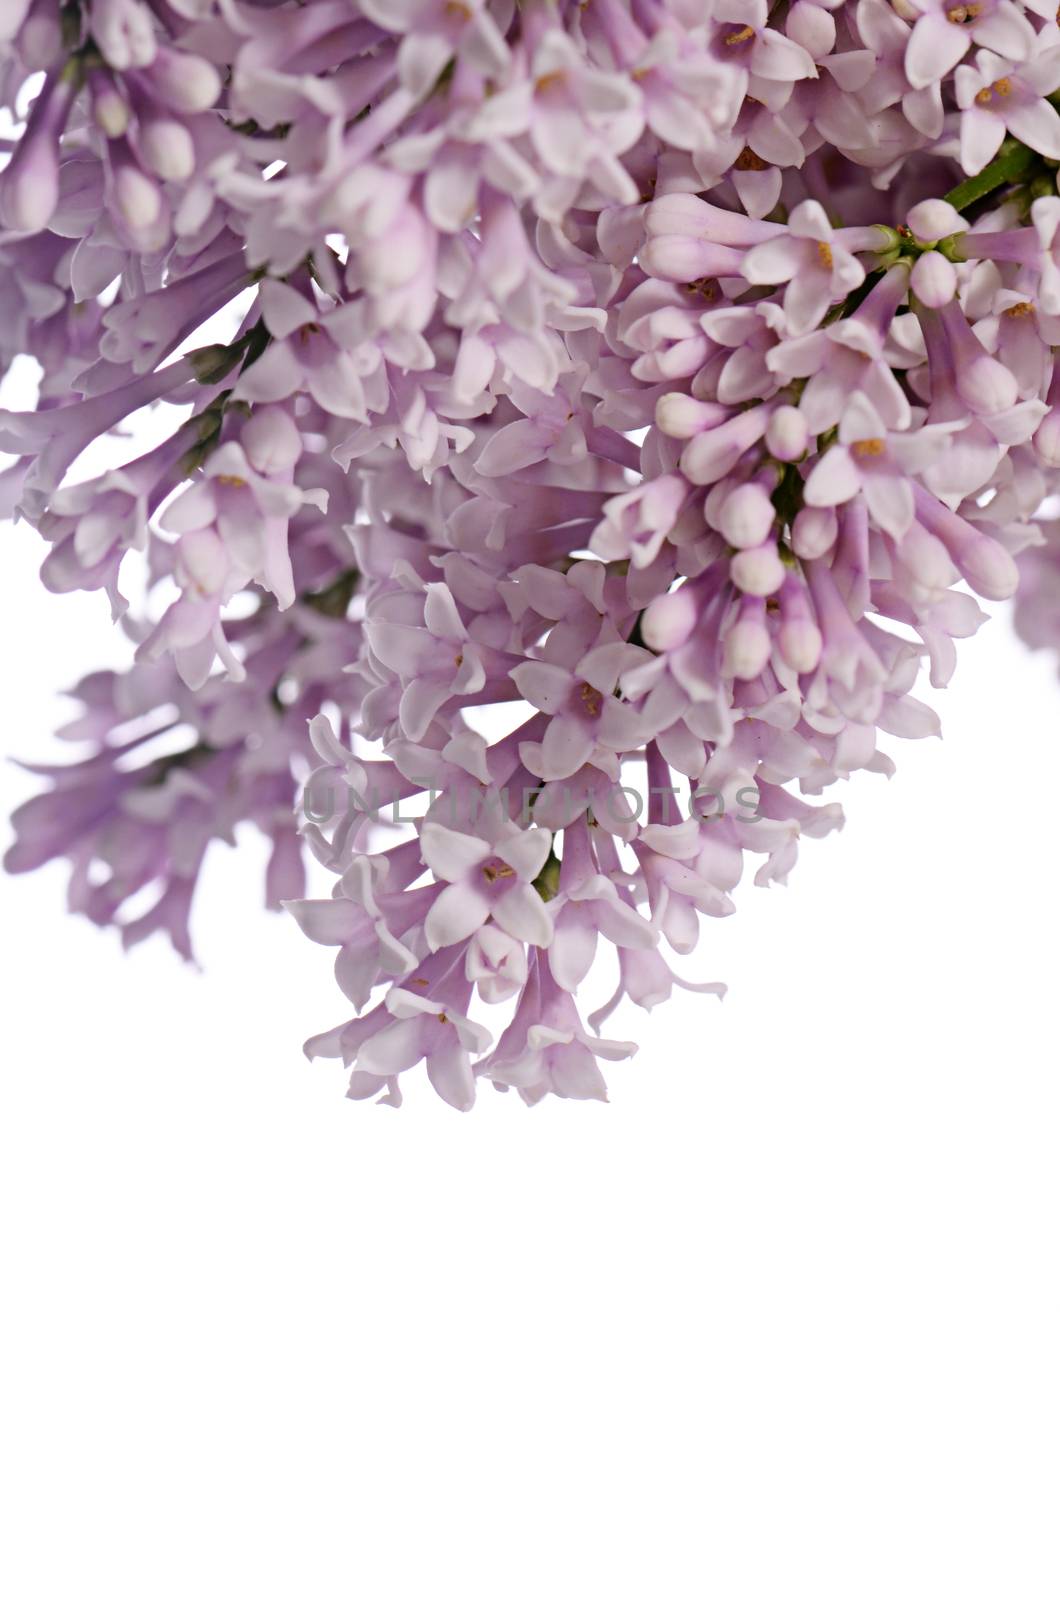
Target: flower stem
[(1011, 162)]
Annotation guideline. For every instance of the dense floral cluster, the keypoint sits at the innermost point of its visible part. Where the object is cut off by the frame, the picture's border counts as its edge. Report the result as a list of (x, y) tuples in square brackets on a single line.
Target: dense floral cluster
[(617, 404)]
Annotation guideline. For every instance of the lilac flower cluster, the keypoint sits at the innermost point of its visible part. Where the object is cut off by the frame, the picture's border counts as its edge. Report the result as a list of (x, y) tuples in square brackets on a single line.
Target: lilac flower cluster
[(619, 395)]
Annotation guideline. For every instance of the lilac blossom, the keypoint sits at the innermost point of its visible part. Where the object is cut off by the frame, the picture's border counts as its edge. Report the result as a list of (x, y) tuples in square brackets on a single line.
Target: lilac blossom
[(608, 413)]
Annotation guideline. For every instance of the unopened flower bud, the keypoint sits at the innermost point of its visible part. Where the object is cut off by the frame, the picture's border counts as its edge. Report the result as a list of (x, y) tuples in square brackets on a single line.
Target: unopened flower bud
[(167, 150), (29, 193), (933, 279), (1047, 439), (759, 571), (271, 440), (926, 559), (669, 620), (747, 643), (989, 569), (800, 644), (681, 417), (184, 82), (746, 516), (986, 386), (138, 197), (813, 533), (124, 33), (110, 110), (788, 434), (931, 220)]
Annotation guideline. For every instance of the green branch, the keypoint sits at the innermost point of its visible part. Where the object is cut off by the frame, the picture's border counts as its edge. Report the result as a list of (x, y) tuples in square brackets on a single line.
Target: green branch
[(1012, 161)]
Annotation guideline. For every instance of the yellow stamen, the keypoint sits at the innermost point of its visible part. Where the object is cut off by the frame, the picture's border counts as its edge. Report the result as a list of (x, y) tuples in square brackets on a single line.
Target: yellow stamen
[(869, 447), (549, 80), (1024, 309), (741, 37), (747, 161), (824, 252), (231, 480), (1002, 87), (591, 699)]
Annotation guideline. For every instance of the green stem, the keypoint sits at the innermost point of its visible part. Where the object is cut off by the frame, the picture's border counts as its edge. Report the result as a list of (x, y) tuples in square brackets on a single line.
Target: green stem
[(1011, 162)]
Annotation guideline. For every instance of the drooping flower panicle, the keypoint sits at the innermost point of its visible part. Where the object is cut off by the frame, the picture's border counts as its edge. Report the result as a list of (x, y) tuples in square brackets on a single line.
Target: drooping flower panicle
[(576, 427)]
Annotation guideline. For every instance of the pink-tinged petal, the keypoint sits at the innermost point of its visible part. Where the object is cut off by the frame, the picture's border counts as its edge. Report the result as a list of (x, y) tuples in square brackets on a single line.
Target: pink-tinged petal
[(409, 1003), (773, 261), (575, 1075), (772, 140), (809, 220), (934, 49), (619, 726), (1042, 71), (758, 191), (682, 750), (889, 497), (337, 388), (512, 448), (1036, 125), (191, 511), (909, 718), (420, 703), (981, 136), (605, 663), (566, 746), (274, 376), (327, 921), (421, 57), (363, 1085), (450, 193), (801, 357), (834, 479), (458, 912), (449, 854), (745, 376), (1045, 214), (730, 325), (284, 309), (526, 851), (888, 397), (521, 912), (573, 947), (475, 362), (851, 69), (860, 420), (545, 686), (806, 300), (822, 400), (451, 1076), (924, 109), (1006, 30), (779, 58), (709, 456), (394, 1048), (441, 615)]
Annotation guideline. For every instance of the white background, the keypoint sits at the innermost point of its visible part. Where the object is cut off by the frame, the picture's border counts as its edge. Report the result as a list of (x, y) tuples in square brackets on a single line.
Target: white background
[(781, 1320)]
